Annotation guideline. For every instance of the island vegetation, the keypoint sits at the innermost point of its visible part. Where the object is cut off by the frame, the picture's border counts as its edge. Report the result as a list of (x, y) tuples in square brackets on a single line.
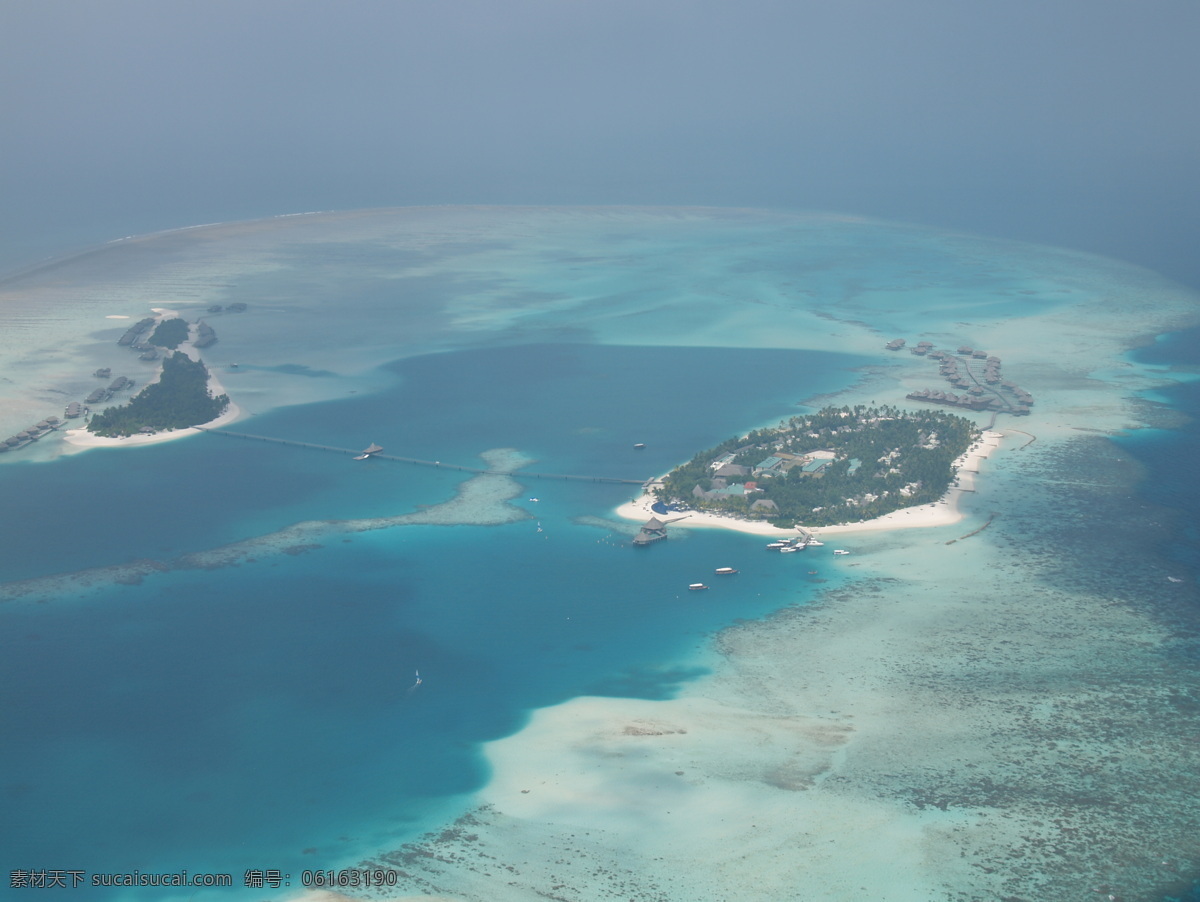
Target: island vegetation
[(170, 333), (180, 398), (839, 465)]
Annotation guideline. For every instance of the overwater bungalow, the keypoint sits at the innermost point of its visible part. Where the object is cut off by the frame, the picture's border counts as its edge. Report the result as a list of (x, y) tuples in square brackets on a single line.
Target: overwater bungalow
[(370, 451), (652, 531)]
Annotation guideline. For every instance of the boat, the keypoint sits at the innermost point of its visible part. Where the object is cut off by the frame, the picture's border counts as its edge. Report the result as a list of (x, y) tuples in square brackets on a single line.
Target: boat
[(696, 587), (788, 549), (639, 445), (775, 546), (724, 571), (813, 542), (840, 551)]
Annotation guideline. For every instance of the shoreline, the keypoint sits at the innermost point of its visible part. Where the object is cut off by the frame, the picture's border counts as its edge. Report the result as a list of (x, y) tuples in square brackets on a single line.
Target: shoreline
[(945, 511), (81, 440)]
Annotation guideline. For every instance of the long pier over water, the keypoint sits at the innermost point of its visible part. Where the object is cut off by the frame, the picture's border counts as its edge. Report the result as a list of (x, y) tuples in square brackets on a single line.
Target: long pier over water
[(523, 474)]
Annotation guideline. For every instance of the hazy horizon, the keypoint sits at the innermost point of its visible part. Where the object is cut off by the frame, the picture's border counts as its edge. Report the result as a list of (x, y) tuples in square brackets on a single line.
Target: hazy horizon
[(1067, 123)]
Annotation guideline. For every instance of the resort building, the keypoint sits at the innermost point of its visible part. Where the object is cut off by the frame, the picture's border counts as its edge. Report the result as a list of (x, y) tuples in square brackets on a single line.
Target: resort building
[(652, 531)]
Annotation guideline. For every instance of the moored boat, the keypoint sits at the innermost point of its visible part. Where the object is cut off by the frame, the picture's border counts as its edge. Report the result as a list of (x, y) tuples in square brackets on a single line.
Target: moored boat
[(724, 571), (840, 551), (696, 587)]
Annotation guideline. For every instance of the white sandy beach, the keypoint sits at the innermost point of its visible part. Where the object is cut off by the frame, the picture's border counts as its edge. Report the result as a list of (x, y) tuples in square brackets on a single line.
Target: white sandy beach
[(943, 512)]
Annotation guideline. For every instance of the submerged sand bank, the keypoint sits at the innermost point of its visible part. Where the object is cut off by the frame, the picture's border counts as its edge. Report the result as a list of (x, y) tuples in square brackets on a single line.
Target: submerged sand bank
[(944, 512), (482, 500), (922, 733), (975, 719)]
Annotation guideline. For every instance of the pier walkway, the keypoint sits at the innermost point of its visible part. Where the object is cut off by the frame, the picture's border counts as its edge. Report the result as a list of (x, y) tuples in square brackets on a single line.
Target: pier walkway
[(523, 474)]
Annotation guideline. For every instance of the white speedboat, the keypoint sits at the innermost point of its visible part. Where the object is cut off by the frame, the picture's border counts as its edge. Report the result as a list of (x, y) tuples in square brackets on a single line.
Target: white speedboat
[(840, 551), (696, 587), (724, 571)]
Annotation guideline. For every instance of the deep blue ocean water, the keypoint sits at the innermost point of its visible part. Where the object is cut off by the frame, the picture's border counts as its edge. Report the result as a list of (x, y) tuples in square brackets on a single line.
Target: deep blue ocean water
[(1167, 453), (1170, 481), (230, 719)]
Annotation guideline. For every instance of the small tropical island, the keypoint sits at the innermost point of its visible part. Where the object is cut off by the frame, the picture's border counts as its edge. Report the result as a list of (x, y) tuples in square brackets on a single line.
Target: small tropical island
[(179, 399), (835, 466)]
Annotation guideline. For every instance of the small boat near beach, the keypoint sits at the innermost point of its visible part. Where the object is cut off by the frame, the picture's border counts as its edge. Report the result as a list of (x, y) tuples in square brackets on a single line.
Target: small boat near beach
[(697, 587), (787, 546), (840, 551), (724, 571)]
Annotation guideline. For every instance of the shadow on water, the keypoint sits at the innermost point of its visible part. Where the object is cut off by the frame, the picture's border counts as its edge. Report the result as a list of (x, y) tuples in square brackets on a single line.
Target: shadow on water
[(647, 683)]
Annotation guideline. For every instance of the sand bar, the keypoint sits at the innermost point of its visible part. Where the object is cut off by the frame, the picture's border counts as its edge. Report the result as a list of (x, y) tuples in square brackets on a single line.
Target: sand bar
[(485, 499)]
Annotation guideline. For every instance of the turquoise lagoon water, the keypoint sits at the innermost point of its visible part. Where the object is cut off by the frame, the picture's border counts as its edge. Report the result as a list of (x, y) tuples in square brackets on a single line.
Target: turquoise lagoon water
[(230, 719), (263, 715)]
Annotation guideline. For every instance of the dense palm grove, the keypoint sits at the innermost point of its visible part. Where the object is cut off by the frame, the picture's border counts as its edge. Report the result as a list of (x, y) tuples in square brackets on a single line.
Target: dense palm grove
[(170, 333), (180, 398), (877, 460)]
